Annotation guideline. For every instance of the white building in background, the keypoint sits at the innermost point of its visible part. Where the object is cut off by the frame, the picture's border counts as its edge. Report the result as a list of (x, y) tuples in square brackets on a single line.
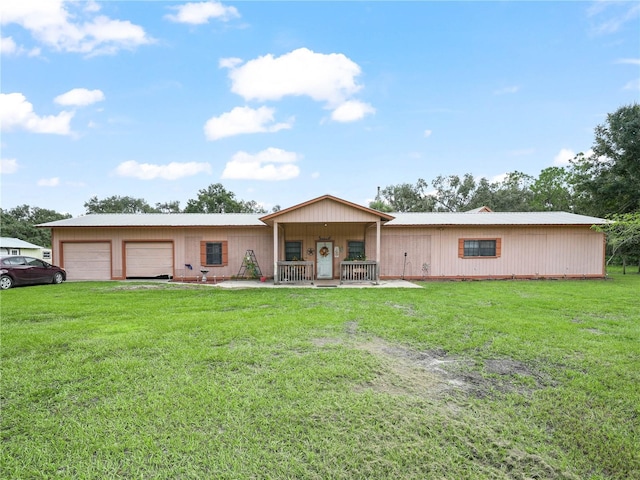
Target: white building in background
[(15, 246)]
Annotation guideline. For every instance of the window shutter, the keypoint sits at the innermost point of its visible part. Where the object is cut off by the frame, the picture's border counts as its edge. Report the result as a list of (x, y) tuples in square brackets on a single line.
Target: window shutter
[(461, 248), (203, 253), (498, 247), (225, 254)]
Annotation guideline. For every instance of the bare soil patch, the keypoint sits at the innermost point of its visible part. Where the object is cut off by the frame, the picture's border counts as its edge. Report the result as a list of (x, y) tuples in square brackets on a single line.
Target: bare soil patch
[(434, 373)]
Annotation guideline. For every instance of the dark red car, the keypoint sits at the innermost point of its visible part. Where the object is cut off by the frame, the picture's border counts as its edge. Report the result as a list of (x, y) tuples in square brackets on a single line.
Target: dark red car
[(21, 270)]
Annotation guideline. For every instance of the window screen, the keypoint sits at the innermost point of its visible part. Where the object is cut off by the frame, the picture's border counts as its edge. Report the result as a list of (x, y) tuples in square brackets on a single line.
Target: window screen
[(293, 251), (214, 253), (355, 250), (479, 248)]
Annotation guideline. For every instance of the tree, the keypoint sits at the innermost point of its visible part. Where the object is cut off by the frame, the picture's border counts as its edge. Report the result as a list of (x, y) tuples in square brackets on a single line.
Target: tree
[(607, 180), (552, 190), (483, 196), (20, 222), (623, 237), (513, 194), (404, 197), (453, 194), (216, 199), (168, 207), (118, 204)]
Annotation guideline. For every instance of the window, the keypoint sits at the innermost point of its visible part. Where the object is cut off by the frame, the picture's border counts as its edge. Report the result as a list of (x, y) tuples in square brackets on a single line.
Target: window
[(34, 262), (14, 251), (479, 248), (213, 254), (292, 251), (355, 250)]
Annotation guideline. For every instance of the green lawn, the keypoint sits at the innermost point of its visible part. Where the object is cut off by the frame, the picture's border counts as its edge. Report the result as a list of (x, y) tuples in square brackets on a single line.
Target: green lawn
[(456, 380)]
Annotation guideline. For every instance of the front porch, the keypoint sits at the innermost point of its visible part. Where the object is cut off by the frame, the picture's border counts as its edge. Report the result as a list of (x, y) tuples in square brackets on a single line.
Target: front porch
[(326, 239), (303, 272)]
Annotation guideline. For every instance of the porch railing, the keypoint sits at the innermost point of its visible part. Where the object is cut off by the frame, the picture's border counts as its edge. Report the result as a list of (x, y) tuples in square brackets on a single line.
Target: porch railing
[(359, 271), (295, 272)]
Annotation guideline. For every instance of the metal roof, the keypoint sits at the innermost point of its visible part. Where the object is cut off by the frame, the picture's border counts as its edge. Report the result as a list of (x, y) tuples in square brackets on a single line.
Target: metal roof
[(493, 218), (253, 219), (9, 242), (160, 220)]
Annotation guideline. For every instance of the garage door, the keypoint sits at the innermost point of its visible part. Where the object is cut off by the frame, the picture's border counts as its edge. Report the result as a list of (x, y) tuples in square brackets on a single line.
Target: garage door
[(87, 261), (149, 259)]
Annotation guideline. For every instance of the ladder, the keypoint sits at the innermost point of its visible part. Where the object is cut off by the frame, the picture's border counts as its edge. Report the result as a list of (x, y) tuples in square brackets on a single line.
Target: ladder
[(249, 267)]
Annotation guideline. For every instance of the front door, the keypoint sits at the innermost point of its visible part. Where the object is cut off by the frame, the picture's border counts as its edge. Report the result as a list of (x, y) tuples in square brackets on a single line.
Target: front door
[(324, 259)]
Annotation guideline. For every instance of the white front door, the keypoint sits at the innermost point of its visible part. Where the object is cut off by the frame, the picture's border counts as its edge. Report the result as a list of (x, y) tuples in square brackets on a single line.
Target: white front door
[(324, 259)]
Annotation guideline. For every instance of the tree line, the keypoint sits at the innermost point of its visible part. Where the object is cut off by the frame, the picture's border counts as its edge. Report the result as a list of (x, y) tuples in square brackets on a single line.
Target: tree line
[(603, 183)]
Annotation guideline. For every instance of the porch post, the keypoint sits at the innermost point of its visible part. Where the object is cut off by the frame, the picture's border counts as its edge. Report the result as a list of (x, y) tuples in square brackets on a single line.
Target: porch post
[(378, 250), (275, 253)]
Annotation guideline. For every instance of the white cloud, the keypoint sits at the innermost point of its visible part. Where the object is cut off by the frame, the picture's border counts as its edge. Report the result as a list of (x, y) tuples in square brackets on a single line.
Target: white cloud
[(9, 47), (49, 182), (8, 166), (242, 120), (499, 178), (564, 156), (629, 61), (79, 97), (200, 12), (230, 62), (329, 78), (507, 90), (172, 171), (269, 164), (610, 17), (633, 85), (66, 26), (16, 112), (427, 133), (352, 110)]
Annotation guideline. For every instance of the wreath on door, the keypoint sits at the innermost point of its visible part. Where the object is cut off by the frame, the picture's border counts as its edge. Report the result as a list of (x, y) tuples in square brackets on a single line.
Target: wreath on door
[(324, 251)]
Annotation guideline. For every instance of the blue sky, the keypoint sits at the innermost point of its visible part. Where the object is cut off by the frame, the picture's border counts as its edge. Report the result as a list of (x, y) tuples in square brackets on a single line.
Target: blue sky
[(282, 102)]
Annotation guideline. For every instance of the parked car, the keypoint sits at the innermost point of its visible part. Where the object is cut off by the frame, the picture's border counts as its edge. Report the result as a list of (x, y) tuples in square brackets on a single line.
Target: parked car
[(21, 270)]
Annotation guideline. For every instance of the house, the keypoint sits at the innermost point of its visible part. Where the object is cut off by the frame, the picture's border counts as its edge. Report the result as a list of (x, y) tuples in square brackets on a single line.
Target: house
[(15, 246), (330, 238)]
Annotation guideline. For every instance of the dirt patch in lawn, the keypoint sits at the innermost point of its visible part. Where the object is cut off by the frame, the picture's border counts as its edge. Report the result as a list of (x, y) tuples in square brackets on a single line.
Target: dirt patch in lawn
[(434, 373)]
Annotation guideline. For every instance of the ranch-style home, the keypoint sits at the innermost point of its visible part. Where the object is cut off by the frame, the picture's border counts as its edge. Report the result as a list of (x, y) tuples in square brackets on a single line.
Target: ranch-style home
[(329, 238)]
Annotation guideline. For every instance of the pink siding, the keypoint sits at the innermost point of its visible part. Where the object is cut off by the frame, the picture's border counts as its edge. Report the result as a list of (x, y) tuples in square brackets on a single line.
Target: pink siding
[(186, 242), (525, 252), (326, 211)]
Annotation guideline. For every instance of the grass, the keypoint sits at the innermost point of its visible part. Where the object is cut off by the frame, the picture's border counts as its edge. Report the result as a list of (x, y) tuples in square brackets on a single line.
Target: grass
[(502, 379)]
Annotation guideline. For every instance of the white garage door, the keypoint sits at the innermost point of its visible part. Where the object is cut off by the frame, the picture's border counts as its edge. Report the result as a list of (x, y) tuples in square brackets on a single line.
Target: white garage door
[(87, 261), (149, 259)]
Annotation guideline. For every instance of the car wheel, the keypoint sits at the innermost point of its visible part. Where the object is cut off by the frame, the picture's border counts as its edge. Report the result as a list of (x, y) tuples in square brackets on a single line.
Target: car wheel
[(6, 282), (58, 278)]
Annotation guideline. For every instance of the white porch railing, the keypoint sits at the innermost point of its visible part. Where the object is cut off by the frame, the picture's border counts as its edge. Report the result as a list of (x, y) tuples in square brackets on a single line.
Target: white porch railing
[(295, 272), (359, 271)]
